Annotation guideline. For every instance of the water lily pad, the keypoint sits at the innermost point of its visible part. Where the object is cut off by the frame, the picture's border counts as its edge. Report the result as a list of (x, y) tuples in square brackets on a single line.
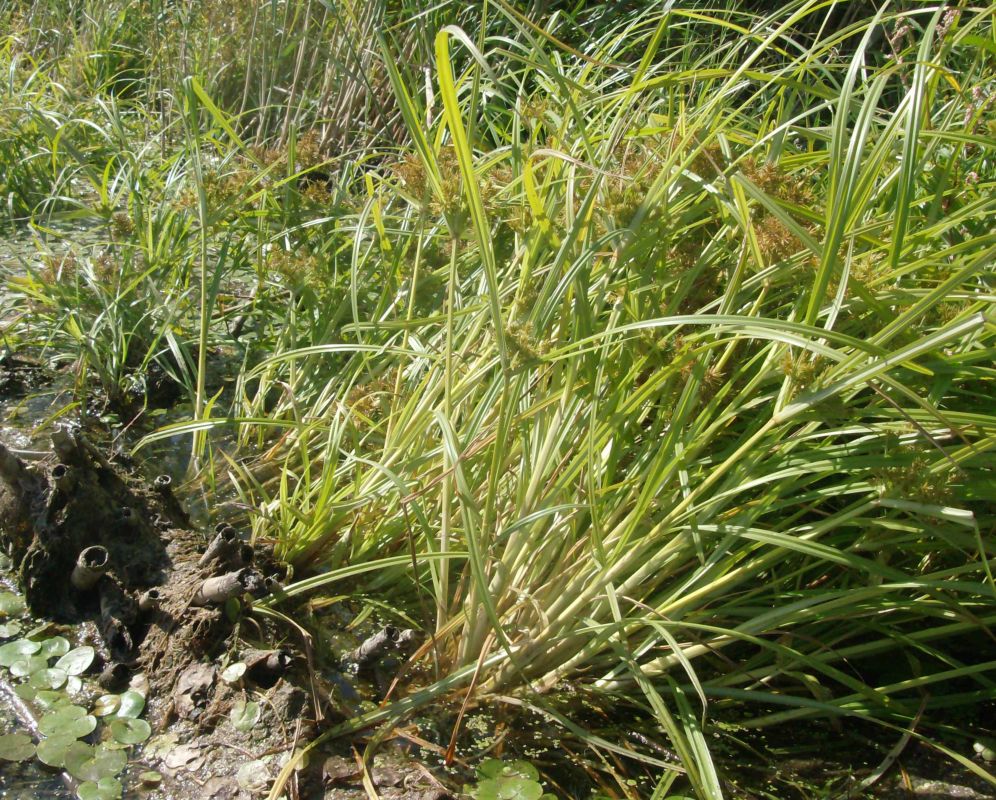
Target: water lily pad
[(233, 672), (11, 605), (16, 747), (496, 768), (151, 778), (47, 700), (52, 751), (68, 721), (25, 692), (76, 661), (10, 629), (106, 705), (28, 665), (55, 647), (244, 715), (16, 650), (508, 789), (73, 685), (132, 704), (88, 763), (52, 678), (130, 731), (104, 789)]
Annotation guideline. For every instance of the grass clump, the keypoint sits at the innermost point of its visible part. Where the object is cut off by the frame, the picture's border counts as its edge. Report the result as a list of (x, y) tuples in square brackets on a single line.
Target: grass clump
[(655, 361)]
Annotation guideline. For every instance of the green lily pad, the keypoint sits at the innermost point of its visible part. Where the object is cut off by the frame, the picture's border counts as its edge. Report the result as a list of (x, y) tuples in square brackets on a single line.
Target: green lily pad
[(132, 704), (244, 715), (233, 672), (16, 650), (28, 665), (496, 768), (55, 647), (130, 731), (73, 685), (52, 678), (68, 721), (104, 789), (25, 692), (87, 763), (48, 700), (106, 705), (76, 661), (10, 629), (16, 747), (508, 789), (52, 751), (150, 778), (11, 605)]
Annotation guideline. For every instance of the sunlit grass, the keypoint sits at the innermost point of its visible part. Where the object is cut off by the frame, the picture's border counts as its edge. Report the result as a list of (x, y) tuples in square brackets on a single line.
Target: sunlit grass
[(666, 357)]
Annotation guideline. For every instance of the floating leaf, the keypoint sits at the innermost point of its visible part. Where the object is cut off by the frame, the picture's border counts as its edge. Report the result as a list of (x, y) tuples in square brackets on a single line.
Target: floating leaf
[(73, 684), (244, 715), (11, 605), (132, 704), (25, 692), (70, 721), (16, 650), (9, 629), (76, 662), (104, 789), (52, 751), (52, 678), (55, 647), (48, 700), (233, 672), (496, 768), (16, 747), (106, 704), (88, 763), (28, 665), (508, 789), (151, 778), (130, 731)]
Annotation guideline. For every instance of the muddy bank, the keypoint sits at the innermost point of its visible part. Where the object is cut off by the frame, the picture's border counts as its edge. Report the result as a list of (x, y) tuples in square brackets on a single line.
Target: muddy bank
[(230, 694)]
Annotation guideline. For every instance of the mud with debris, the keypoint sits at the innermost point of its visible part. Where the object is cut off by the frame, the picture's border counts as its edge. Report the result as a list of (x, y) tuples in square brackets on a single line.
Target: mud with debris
[(230, 696)]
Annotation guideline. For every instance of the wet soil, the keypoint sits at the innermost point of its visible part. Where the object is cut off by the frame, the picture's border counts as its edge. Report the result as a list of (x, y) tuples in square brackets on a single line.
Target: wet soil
[(96, 545)]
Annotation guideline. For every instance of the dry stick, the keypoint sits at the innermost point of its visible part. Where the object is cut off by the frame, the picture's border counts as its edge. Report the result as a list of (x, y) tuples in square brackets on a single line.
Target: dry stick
[(26, 716)]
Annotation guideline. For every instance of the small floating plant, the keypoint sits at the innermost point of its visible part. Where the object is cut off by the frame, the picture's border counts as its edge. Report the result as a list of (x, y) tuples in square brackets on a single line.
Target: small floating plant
[(70, 728)]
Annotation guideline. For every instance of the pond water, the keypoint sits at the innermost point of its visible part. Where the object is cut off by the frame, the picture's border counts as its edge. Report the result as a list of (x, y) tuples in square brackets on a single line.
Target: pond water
[(25, 780)]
